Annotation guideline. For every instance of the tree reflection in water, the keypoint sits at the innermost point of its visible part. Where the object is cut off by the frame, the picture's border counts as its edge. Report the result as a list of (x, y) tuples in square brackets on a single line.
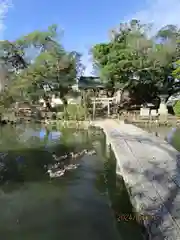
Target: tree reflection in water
[(26, 150)]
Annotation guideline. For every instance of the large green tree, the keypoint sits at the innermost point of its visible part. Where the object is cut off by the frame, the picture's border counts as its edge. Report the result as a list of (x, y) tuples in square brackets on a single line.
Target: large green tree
[(38, 64), (136, 61)]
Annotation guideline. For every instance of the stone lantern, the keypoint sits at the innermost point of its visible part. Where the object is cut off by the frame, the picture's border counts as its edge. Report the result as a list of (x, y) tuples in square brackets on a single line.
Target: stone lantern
[(163, 111)]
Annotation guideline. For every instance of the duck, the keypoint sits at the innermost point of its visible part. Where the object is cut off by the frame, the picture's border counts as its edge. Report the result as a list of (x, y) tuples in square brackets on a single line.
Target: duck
[(71, 166), (74, 155), (59, 158), (55, 166), (85, 151), (92, 152), (56, 174), (58, 165), (63, 157)]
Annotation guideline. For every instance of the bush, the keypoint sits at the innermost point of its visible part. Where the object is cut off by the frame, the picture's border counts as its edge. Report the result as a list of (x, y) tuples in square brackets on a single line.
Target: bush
[(176, 140), (75, 112), (176, 108)]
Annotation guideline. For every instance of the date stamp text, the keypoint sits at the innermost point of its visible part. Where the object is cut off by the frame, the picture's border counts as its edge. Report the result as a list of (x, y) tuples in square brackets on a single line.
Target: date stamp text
[(138, 218)]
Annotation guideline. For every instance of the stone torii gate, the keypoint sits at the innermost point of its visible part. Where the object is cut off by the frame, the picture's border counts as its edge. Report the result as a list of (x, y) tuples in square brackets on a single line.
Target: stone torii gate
[(104, 101)]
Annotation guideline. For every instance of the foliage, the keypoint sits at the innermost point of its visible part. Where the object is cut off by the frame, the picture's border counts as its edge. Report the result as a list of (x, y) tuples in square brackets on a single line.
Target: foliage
[(38, 65), (134, 59), (176, 75), (176, 139), (75, 112), (176, 72), (176, 108)]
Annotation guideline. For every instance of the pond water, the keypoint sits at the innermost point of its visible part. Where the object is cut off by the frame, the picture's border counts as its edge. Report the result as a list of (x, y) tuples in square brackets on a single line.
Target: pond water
[(170, 134), (81, 204)]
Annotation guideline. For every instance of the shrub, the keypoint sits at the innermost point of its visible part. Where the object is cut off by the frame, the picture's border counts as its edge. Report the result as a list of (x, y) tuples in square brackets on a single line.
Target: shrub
[(75, 112), (176, 108)]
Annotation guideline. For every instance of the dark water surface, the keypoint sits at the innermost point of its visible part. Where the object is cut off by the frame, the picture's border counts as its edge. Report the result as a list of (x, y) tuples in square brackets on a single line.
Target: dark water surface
[(75, 206)]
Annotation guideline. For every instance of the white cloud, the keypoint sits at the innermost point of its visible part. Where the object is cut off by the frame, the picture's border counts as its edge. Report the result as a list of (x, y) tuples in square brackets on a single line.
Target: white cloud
[(4, 7), (160, 13)]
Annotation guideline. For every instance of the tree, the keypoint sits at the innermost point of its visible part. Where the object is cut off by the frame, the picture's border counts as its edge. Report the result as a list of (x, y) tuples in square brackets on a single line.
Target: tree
[(169, 37), (38, 64), (135, 61), (176, 72), (119, 60)]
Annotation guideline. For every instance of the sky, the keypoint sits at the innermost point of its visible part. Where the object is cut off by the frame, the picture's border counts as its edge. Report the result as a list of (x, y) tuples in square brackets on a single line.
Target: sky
[(83, 22)]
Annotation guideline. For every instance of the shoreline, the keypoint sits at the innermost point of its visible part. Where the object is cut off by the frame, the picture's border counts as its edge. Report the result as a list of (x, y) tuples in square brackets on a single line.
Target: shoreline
[(169, 122)]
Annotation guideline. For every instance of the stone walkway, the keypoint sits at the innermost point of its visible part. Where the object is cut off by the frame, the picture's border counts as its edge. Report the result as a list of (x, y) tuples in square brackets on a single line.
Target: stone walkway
[(150, 168)]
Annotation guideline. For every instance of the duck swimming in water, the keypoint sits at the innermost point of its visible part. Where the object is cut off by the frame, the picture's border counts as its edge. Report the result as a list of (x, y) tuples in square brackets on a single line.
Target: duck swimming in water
[(92, 152), (56, 174), (52, 166), (71, 166), (74, 155), (59, 158)]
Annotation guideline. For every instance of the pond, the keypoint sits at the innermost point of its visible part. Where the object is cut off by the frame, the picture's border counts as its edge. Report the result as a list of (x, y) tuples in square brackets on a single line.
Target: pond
[(82, 204), (170, 134)]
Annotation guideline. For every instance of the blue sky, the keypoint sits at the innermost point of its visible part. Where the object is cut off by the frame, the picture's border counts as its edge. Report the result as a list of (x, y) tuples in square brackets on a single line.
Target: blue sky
[(84, 22)]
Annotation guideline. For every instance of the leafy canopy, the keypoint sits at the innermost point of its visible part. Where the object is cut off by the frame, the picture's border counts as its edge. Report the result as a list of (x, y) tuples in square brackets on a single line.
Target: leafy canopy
[(136, 60), (38, 63)]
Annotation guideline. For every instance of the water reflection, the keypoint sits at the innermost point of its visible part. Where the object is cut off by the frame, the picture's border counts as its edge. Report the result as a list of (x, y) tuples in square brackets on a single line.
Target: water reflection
[(27, 154), (171, 135), (32, 207), (52, 135), (76, 205)]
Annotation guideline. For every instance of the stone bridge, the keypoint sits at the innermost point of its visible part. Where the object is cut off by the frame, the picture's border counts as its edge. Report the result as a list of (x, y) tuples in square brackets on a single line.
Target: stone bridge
[(150, 168)]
